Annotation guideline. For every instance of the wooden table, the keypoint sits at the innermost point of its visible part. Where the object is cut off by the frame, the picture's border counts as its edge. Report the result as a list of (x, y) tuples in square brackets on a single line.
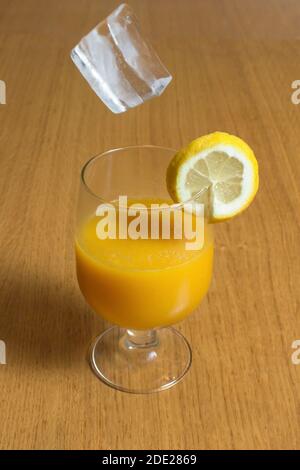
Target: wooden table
[(233, 63)]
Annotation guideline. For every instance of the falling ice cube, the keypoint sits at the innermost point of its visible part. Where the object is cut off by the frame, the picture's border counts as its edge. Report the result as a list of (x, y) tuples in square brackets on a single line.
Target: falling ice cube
[(120, 66)]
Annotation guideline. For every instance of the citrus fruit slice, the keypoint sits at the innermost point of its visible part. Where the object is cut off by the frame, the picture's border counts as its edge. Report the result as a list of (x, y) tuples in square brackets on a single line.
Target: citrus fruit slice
[(219, 161)]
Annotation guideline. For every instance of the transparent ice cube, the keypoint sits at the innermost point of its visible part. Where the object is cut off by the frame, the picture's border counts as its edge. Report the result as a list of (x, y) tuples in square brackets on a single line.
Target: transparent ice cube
[(119, 65)]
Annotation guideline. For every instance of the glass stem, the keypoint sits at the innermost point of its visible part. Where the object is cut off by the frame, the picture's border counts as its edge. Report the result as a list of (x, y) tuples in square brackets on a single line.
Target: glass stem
[(140, 339)]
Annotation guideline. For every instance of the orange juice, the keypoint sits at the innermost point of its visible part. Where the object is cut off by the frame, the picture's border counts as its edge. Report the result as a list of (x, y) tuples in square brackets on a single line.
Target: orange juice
[(144, 283)]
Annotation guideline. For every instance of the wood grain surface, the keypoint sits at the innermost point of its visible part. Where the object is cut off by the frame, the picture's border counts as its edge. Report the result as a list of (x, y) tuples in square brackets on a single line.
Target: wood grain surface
[(233, 63)]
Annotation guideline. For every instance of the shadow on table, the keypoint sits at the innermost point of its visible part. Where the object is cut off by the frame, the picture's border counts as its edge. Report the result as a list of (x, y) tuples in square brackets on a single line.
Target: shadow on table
[(46, 323)]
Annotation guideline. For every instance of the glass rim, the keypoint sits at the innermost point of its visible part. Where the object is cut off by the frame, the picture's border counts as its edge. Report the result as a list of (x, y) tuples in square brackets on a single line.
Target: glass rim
[(176, 205)]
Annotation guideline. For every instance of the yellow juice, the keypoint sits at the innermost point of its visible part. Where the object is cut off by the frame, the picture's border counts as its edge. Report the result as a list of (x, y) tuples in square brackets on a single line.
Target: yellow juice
[(144, 283)]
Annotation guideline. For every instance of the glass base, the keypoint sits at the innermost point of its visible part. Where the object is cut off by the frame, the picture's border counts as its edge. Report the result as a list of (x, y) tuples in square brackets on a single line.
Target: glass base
[(138, 361)]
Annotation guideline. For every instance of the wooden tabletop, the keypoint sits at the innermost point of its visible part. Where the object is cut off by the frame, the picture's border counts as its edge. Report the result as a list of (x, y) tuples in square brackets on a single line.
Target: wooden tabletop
[(233, 63)]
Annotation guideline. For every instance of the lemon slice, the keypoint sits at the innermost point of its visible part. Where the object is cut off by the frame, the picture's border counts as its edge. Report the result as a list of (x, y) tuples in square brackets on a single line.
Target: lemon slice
[(219, 161)]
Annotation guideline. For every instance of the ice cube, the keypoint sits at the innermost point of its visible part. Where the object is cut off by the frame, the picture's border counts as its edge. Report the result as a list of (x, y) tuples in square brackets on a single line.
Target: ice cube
[(119, 65)]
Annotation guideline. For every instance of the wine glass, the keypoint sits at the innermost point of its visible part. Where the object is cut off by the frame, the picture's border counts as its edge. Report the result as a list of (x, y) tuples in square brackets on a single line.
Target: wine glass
[(143, 284)]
